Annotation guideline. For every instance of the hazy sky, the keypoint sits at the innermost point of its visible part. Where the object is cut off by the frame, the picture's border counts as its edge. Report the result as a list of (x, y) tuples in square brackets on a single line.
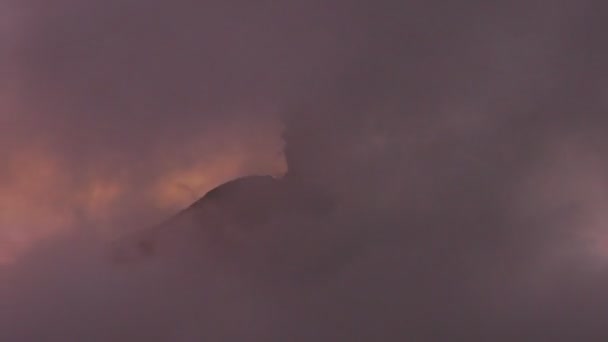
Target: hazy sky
[(464, 144)]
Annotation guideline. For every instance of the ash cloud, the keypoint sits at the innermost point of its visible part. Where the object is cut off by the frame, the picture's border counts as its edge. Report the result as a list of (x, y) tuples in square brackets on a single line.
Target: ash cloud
[(460, 147)]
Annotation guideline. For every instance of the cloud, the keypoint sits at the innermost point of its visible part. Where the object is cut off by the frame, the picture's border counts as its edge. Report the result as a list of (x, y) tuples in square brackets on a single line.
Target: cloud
[(113, 98), (459, 145)]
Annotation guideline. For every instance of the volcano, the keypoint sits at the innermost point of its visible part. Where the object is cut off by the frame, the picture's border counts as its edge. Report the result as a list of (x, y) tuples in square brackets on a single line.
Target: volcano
[(241, 220)]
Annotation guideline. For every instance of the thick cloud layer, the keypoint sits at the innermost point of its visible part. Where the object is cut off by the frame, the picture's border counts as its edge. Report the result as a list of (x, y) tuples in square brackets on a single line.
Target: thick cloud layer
[(113, 108), (460, 147)]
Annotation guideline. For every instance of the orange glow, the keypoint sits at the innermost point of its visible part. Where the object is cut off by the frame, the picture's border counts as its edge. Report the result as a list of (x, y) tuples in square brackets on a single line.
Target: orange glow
[(39, 197), (99, 198), (30, 205), (180, 187)]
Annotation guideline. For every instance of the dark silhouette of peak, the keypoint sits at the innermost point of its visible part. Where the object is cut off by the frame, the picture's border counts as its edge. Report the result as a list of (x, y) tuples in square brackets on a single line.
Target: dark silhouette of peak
[(231, 218), (252, 191), (237, 185)]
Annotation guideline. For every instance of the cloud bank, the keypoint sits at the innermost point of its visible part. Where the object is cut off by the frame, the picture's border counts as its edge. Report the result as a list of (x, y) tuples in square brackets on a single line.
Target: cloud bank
[(460, 146)]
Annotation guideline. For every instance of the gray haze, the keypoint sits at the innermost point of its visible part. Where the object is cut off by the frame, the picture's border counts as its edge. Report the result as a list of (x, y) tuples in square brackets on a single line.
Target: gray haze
[(460, 148)]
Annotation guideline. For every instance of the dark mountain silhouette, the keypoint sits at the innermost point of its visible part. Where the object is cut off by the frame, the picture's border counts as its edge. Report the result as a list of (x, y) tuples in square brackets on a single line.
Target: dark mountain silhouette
[(240, 221)]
